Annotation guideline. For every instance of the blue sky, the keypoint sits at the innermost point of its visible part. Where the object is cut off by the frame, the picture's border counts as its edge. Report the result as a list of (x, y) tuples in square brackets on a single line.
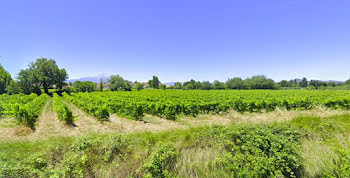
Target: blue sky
[(180, 39)]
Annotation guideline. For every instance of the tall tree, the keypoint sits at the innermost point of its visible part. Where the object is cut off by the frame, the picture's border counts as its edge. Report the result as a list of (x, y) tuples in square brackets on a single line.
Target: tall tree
[(260, 82), (235, 83), (154, 83), (303, 83), (28, 82), (219, 85), (118, 83), (86, 86), (284, 83), (101, 84), (206, 85), (347, 82), (42, 72), (177, 85), (5, 80)]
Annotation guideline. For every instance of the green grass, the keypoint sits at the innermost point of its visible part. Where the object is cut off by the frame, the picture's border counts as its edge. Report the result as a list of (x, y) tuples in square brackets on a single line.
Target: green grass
[(302, 147)]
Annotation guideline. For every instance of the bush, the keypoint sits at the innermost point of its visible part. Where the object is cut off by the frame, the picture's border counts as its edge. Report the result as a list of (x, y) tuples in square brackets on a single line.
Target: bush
[(260, 151), (161, 162)]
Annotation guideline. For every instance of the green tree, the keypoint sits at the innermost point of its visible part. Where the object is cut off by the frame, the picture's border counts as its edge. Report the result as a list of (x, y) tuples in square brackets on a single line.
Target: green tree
[(303, 83), (138, 86), (60, 78), (217, 85), (284, 83), (293, 83), (101, 84), (5, 80), (315, 83), (347, 82), (235, 83), (154, 83), (206, 85), (42, 72), (177, 85), (260, 82), (189, 85), (86, 86), (332, 84), (13, 88), (28, 81), (118, 83), (162, 86)]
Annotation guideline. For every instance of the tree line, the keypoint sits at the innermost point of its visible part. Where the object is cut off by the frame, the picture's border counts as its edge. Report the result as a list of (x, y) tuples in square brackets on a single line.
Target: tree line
[(44, 74)]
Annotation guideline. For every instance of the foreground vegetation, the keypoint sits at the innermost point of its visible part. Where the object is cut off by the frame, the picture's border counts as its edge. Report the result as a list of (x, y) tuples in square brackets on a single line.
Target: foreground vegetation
[(302, 147), (171, 103)]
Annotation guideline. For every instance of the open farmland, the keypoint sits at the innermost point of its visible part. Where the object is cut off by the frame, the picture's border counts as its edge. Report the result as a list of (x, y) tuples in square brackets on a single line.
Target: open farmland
[(157, 133)]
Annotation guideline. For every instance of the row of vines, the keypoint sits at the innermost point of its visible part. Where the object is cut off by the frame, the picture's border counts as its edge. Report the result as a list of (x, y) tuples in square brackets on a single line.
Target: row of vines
[(25, 108), (171, 103), (63, 112)]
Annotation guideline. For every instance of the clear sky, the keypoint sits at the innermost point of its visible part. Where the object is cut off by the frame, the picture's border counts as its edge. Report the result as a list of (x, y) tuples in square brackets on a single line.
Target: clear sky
[(180, 39)]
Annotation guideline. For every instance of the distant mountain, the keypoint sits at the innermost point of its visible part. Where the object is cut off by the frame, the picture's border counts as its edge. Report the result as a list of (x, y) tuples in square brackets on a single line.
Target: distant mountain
[(91, 79)]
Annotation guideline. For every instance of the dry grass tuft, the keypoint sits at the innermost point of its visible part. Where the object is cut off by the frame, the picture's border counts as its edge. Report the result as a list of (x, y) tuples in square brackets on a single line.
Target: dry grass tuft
[(22, 131)]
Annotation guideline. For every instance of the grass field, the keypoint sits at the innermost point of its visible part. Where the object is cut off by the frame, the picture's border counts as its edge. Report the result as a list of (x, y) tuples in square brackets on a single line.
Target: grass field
[(280, 143)]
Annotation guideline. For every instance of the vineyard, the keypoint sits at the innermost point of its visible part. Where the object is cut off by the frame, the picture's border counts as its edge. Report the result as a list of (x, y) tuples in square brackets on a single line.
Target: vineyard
[(169, 104), (67, 141), (25, 108)]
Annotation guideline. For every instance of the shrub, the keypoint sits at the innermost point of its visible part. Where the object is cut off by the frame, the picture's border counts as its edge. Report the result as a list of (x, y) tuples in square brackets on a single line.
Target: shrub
[(260, 151), (161, 161)]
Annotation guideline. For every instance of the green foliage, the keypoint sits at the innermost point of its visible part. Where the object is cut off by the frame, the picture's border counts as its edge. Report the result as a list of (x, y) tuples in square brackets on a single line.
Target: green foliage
[(8, 103), (330, 134), (87, 151), (239, 150), (177, 85), (5, 80), (138, 86), (42, 72), (27, 114), (161, 162), (192, 85), (118, 83), (154, 83), (303, 83), (236, 83), (259, 82), (217, 85), (99, 110), (170, 103), (206, 85), (162, 86), (86, 86), (260, 151), (62, 110), (101, 84)]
